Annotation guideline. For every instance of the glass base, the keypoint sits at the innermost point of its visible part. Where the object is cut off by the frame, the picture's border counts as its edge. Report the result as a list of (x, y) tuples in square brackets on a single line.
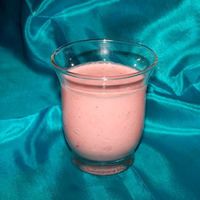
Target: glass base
[(103, 168)]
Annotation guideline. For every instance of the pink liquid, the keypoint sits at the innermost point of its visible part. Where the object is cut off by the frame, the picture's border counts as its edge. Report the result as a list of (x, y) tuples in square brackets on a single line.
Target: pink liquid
[(103, 120)]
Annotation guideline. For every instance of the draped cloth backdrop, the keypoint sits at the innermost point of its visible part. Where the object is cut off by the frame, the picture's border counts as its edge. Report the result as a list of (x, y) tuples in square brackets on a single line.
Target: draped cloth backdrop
[(34, 159)]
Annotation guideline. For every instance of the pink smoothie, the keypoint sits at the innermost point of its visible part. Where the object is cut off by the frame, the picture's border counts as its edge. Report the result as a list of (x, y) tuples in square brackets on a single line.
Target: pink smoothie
[(103, 119)]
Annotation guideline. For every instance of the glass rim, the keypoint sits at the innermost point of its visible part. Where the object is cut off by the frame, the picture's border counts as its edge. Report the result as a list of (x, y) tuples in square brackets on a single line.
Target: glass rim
[(115, 77)]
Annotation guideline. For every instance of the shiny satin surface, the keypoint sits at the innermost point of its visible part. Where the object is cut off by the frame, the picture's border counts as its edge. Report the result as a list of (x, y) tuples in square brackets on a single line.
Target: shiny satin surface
[(35, 160)]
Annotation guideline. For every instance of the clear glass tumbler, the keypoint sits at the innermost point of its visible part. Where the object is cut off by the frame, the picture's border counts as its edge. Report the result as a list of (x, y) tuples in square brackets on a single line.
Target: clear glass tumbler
[(103, 87)]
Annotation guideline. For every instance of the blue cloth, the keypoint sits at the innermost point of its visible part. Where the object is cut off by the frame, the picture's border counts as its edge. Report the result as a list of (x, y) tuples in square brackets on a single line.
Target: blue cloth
[(35, 161)]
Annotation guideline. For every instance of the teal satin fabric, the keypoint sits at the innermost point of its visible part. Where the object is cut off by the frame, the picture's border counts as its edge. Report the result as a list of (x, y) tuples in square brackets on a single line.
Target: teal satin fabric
[(35, 161)]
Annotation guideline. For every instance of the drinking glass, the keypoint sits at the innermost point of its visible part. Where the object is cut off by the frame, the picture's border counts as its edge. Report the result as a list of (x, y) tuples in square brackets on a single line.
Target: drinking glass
[(103, 89)]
